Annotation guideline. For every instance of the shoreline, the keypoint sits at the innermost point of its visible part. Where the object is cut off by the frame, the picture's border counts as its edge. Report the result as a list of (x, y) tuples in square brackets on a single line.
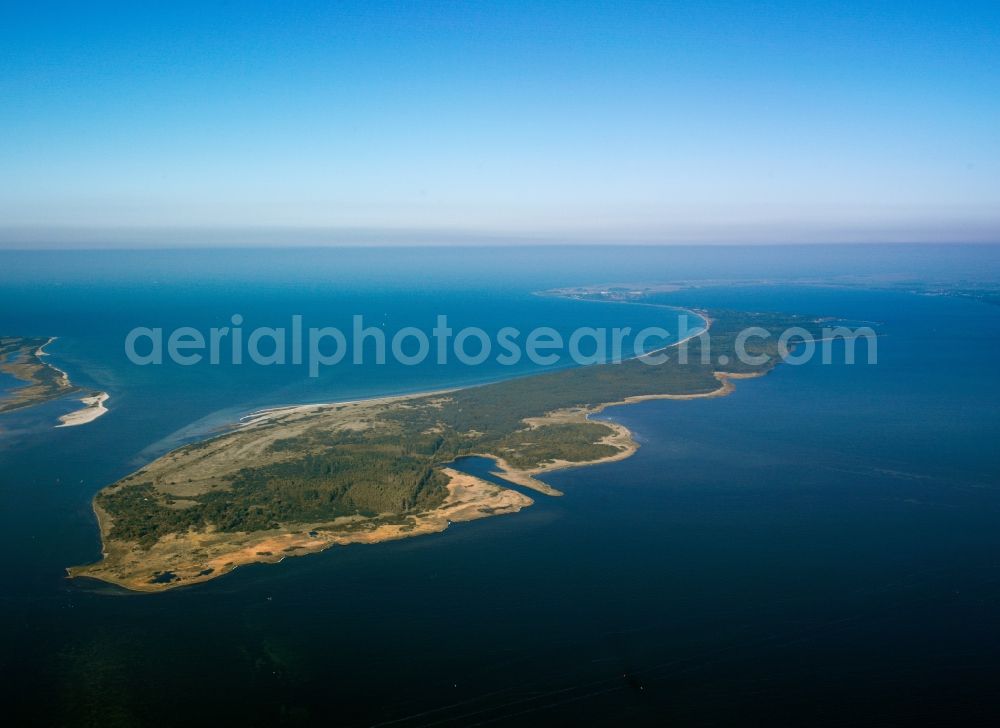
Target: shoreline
[(23, 358), (40, 352), (469, 498), (93, 408), (221, 552), (261, 416), (621, 438)]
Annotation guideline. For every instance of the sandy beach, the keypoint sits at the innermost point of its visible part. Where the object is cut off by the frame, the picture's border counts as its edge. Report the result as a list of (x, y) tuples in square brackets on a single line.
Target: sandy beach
[(199, 555), (93, 408), (194, 557), (261, 416)]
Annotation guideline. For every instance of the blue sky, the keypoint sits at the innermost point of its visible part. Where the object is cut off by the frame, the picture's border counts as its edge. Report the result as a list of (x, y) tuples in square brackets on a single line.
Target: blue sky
[(558, 121)]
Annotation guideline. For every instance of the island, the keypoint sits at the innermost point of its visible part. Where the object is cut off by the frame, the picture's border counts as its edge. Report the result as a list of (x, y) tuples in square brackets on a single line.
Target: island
[(93, 407), (21, 358), (296, 480)]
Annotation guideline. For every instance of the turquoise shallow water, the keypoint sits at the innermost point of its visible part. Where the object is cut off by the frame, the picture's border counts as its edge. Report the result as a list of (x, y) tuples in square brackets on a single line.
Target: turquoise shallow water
[(819, 546)]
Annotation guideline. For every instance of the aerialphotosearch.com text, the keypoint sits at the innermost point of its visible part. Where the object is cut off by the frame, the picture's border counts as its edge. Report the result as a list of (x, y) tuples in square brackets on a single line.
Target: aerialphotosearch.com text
[(319, 347)]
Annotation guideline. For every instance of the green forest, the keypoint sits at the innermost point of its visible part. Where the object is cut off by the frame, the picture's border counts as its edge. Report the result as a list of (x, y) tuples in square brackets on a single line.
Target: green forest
[(393, 469)]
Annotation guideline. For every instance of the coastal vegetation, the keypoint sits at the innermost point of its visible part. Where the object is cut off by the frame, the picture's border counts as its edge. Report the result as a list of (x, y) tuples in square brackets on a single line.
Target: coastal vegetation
[(21, 358), (334, 471)]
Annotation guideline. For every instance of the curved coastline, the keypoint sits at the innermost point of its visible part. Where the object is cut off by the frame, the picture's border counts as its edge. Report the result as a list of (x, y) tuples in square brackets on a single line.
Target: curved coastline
[(22, 357), (194, 556), (266, 414), (469, 498), (622, 438), (92, 409)]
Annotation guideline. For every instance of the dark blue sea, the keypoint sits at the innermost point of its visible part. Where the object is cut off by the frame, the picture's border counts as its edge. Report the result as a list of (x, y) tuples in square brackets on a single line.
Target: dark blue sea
[(820, 547)]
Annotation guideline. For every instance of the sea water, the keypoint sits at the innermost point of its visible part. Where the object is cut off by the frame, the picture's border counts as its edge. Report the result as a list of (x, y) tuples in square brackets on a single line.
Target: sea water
[(822, 542)]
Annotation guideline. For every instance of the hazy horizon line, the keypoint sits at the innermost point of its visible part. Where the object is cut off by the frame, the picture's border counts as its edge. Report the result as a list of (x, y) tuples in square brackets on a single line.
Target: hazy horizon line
[(185, 237)]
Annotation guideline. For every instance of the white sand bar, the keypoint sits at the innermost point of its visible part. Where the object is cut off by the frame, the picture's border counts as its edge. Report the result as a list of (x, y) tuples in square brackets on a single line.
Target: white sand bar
[(94, 408)]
